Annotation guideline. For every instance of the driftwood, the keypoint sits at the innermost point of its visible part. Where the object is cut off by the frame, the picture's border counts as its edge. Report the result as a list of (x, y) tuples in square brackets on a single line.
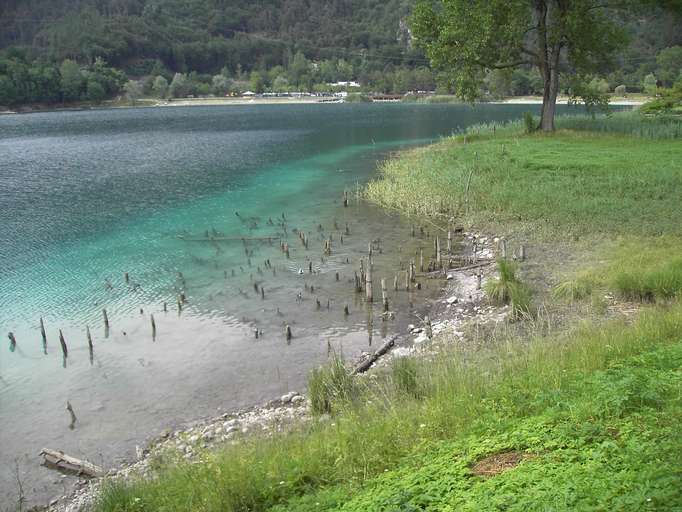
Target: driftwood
[(365, 365), (55, 459), (441, 273)]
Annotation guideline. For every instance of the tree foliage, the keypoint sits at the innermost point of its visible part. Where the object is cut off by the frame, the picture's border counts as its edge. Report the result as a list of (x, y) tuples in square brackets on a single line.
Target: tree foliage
[(469, 38)]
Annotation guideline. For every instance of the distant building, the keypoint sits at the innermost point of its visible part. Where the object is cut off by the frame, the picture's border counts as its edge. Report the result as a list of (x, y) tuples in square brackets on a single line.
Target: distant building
[(344, 84)]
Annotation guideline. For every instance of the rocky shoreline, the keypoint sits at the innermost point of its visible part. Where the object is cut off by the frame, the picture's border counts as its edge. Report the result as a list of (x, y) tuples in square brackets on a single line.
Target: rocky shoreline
[(462, 302)]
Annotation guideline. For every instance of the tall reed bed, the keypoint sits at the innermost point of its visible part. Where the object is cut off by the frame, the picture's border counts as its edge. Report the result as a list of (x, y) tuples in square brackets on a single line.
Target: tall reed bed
[(627, 123)]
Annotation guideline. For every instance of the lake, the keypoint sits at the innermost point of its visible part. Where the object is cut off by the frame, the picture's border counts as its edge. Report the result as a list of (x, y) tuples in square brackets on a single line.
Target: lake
[(191, 201)]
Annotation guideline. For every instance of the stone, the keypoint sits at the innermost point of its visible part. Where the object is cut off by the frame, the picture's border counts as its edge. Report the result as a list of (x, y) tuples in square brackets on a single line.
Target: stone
[(297, 399), (287, 398)]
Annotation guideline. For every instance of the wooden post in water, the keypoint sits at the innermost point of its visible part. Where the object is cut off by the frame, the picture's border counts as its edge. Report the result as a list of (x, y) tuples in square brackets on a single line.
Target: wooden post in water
[(395, 283), (346, 311), (42, 332), (421, 260), (384, 295), (449, 241), (368, 283), (72, 425), (337, 277), (407, 280), (89, 337), (106, 319), (287, 332), (126, 277), (12, 341), (153, 326), (439, 263), (63, 344)]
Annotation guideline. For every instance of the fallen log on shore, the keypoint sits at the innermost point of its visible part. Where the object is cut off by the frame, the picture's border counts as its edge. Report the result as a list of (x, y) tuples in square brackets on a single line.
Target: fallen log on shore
[(383, 349), (55, 459)]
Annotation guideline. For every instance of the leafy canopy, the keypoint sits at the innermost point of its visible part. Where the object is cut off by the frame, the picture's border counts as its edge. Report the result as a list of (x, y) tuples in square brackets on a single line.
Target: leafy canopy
[(468, 38)]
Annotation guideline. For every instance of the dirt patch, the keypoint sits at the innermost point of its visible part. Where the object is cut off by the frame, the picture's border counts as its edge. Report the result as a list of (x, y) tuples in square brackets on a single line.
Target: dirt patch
[(498, 463)]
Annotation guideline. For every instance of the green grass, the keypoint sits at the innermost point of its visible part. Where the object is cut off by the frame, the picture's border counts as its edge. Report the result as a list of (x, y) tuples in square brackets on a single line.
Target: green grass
[(330, 386), (563, 185), (555, 397), (644, 270), (507, 288)]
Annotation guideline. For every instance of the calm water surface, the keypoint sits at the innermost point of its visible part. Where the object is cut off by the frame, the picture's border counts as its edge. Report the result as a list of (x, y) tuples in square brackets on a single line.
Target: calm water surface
[(88, 196)]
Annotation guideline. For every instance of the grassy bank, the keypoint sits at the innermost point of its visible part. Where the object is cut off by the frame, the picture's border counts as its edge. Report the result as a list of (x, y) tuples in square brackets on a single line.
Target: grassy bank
[(570, 183), (588, 418), (570, 404)]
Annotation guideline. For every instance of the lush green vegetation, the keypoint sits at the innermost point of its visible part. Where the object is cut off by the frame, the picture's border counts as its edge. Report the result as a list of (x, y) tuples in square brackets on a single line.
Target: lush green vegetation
[(645, 270), (597, 412), (571, 183), (220, 46), (583, 418)]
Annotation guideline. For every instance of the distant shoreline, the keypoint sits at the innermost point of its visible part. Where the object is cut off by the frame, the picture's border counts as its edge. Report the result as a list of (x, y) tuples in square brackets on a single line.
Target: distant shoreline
[(219, 102)]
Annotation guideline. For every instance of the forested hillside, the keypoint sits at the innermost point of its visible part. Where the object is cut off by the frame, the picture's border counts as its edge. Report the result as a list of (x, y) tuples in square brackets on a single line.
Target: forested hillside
[(207, 35), (66, 50)]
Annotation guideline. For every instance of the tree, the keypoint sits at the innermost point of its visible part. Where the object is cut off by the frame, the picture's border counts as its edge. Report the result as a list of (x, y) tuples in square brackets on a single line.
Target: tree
[(669, 62), (298, 68), (71, 81), (280, 84), (94, 91), (220, 85), (649, 84), (179, 88), (133, 90), (257, 82), (470, 37), (160, 87)]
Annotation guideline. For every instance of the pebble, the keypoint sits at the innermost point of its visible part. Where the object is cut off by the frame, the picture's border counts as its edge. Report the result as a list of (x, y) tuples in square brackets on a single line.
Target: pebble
[(287, 398)]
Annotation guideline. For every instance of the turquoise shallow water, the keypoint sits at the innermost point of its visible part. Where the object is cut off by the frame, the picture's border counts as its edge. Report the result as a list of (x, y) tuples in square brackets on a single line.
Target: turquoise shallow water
[(87, 196)]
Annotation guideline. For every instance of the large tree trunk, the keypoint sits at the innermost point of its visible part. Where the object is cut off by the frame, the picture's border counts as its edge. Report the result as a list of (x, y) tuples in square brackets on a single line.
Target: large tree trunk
[(550, 92), (548, 61)]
